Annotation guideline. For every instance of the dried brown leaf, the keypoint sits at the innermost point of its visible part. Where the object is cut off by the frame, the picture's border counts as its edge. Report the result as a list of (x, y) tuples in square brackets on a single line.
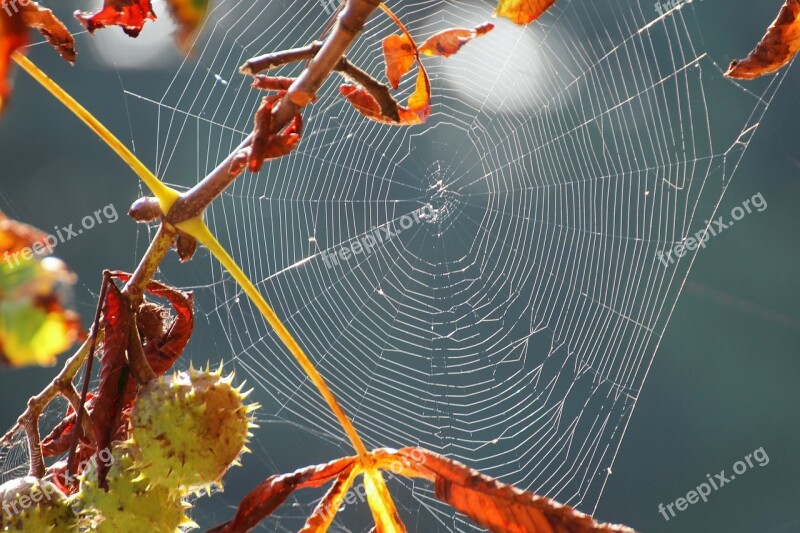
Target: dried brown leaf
[(778, 46), (262, 502), (449, 42)]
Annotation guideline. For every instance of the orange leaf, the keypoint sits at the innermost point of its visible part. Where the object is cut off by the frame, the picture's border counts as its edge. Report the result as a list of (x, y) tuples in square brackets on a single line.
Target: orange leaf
[(498, 507), (15, 19), (130, 15), (419, 104), (448, 42), (522, 11), (776, 48), (399, 52)]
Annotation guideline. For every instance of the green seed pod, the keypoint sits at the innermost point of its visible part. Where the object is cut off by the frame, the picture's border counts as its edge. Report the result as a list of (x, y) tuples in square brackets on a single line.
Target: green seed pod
[(35, 506), (188, 430), (131, 504)]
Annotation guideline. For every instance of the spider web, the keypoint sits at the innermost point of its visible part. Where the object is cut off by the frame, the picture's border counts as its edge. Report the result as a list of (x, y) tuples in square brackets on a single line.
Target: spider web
[(511, 304)]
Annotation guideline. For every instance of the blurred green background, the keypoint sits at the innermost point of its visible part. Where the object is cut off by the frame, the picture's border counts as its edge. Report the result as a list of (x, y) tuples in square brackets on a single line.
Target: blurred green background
[(725, 378)]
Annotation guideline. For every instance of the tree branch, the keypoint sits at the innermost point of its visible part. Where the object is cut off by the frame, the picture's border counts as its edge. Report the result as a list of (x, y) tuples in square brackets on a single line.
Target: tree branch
[(273, 60), (350, 23)]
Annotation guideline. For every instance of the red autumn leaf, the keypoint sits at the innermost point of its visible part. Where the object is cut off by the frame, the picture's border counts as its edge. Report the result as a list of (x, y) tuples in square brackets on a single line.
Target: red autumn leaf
[(163, 339), (164, 342), (498, 507), (778, 46), (448, 42), (15, 19), (114, 370), (13, 36), (266, 144), (399, 53), (262, 502), (522, 11), (130, 15), (60, 438), (280, 83), (57, 472)]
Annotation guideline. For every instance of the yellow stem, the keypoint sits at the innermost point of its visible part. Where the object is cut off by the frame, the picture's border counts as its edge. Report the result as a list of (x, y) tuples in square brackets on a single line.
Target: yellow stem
[(381, 503), (166, 195), (198, 229)]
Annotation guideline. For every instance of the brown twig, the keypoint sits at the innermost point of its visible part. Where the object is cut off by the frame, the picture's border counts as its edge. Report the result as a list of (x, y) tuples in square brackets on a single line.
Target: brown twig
[(273, 60), (135, 287), (351, 22), (62, 385), (87, 373)]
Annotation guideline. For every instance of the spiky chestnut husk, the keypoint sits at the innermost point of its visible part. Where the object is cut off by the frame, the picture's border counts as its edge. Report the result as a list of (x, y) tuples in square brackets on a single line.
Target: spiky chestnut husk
[(188, 430), (35, 506), (131, 504)]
